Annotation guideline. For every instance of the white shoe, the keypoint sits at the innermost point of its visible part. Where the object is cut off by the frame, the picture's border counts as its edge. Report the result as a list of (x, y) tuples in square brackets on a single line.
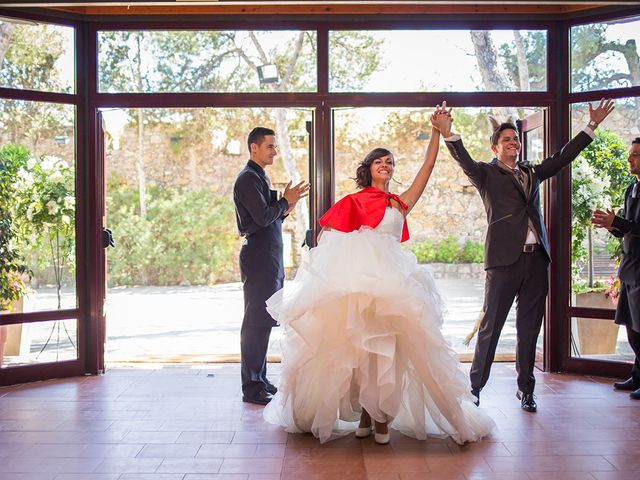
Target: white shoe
[(381, 438), (363, 432)]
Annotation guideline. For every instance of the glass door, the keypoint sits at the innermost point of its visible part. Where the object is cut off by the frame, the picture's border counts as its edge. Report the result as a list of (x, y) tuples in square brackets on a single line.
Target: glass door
[(534, 149), (173, 290)]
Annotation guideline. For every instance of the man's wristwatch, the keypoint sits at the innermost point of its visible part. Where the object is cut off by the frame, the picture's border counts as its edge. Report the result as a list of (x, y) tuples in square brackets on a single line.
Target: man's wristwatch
[(592, 125)]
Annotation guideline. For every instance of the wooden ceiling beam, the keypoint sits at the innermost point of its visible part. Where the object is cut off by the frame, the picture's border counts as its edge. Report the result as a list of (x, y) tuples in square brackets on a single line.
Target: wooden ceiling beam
[(332, 9)]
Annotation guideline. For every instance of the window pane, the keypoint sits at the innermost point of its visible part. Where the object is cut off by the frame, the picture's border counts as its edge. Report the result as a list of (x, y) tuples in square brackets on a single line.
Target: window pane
[(448, 224), (599, 177), (37, 57), (170, 207), (605, 55), (41, 342), (596, 338), (446, 61), (207, 61), (37, 198)]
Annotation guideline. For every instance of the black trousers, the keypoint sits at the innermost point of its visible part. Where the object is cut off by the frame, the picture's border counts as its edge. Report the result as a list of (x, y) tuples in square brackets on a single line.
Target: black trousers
[(626, 314), (254, 342), (262, 275), (527, 281), (634, 341)]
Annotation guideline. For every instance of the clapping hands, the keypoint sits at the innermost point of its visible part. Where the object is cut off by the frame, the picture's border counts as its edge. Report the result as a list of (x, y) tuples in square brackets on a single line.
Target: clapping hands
[(295, 193)]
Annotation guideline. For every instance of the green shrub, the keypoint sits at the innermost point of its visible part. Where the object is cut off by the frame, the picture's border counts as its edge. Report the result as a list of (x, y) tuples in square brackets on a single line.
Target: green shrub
[(449, 251), (472, 252), (186, 238)]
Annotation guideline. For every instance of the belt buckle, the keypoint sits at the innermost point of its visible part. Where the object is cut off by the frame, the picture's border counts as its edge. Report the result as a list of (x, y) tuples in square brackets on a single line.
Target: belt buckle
[(529, 248)]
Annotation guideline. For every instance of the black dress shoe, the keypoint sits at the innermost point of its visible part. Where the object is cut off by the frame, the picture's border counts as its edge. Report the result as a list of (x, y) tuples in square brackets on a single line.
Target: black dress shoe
[(628, 385), (476, 393), (262, 398), (527, 401), (271, 388), (635, 394)]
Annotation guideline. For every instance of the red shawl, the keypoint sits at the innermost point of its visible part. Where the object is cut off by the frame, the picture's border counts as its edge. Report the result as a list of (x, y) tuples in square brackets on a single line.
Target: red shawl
[(364, 208)]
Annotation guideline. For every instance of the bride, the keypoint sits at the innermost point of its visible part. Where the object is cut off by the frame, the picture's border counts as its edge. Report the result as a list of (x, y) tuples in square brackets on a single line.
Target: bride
[(362, 339)]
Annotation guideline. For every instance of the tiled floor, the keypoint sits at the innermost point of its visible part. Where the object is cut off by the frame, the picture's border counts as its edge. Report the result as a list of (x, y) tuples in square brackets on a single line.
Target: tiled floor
[(167, 422)]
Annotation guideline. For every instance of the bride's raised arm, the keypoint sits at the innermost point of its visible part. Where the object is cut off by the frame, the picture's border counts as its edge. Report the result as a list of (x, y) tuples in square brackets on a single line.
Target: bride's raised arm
[(414, 192)]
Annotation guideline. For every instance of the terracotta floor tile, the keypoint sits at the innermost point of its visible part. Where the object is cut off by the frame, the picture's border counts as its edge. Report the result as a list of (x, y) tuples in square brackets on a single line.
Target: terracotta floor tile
[(627, 463), (560, 475), (218, 476), (468, 464), (68, 465), (617, 475), (240, 450), (196, 465), (151, 476), (396, 463), (205, 437), (500, 476), (88, 476), (255, 465), (551, 463), (26, 476), (174, 422), (128, 465), (173, 450)]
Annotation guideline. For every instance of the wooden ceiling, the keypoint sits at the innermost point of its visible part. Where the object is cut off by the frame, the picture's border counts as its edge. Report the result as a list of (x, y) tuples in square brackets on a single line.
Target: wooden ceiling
[(323, 7)]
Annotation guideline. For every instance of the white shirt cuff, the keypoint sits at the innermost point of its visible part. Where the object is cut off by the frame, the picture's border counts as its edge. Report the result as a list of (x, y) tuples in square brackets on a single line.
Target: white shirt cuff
[(589, 132), (452, 138)]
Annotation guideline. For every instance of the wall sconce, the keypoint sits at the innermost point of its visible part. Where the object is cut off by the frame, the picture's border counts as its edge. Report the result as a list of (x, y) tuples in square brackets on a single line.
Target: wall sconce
[(61, 139), (268, 74), (233, 147)]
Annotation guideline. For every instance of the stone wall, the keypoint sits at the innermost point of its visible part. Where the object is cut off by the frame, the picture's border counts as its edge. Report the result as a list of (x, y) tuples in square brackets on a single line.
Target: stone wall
[(450, 205), (472, 271)]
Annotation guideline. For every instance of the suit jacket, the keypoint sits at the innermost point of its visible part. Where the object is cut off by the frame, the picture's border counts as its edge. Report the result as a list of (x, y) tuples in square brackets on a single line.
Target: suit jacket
[(627, 225), (259, 215), (507, 205)]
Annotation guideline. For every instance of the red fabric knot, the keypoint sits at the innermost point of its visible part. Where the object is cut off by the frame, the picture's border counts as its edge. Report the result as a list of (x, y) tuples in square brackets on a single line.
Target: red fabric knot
[(397, 199)]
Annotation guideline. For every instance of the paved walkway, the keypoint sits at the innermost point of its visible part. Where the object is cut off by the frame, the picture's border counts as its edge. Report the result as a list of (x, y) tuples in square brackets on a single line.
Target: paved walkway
[(202, 324), (145, 322)]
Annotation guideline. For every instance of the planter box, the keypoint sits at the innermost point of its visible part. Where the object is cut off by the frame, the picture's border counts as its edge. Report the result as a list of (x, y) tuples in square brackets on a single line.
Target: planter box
[(594, 336), (14, 339)]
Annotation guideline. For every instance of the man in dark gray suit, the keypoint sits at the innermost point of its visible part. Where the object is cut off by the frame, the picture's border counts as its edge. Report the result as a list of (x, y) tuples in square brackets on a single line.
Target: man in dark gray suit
[(516, 256), (627, 226), (259, 214)]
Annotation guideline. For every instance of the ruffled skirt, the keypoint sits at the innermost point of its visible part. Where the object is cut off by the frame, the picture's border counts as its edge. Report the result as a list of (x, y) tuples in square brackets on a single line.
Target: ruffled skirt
[(362, 329)]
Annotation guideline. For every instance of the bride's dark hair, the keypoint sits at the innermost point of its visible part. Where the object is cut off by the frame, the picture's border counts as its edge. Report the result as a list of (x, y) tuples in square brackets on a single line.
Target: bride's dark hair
[(363, 173)]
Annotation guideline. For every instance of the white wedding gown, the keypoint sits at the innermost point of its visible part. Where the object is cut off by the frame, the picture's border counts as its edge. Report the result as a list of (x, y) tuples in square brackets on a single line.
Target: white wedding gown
[(362, 327)]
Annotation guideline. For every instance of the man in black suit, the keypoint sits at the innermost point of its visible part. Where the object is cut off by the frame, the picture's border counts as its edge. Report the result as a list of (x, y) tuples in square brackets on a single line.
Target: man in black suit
[(517, 254), (627, 225), (259, 214)]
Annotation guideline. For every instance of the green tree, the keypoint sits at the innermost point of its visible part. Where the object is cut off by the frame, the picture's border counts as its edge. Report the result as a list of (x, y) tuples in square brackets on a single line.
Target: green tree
[(29, 63), (532, 73)]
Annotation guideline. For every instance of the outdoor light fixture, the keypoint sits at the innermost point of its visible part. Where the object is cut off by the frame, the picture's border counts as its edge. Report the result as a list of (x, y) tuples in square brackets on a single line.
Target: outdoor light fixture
[(268, 74), (233, 147), (61, 139)]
